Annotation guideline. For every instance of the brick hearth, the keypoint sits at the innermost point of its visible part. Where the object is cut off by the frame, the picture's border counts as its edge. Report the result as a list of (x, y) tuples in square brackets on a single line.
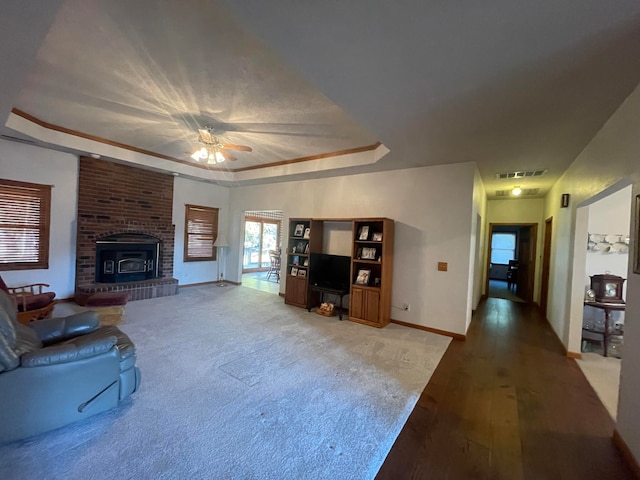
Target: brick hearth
[(115, 199), (157, 287)]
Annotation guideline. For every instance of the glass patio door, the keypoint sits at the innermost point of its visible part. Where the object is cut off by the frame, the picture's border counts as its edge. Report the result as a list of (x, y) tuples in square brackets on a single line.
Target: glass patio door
[(260, 236)]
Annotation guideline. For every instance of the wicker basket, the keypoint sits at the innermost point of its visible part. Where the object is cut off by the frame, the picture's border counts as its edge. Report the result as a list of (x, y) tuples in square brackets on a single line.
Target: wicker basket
[(326, 313)]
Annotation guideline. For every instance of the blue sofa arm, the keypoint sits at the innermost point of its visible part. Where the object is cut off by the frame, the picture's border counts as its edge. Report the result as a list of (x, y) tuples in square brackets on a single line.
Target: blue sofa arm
[(54, 330)]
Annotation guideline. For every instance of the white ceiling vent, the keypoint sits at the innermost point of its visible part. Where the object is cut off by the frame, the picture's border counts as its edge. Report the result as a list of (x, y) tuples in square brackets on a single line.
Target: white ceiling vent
[(525, 174), (525, 192)]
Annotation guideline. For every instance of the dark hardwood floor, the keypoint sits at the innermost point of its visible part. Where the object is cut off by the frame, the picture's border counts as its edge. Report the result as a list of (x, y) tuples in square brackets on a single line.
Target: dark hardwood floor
[(507, 404)]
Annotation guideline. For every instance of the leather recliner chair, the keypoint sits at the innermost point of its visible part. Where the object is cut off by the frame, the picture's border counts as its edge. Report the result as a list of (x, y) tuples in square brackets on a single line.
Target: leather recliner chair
[(60, 370)]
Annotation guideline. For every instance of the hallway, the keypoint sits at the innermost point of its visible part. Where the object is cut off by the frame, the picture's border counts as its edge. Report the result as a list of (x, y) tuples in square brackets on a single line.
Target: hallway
[(507, 404)]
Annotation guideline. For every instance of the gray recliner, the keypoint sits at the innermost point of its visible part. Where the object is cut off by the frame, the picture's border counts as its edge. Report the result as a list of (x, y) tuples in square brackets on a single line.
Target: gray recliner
[(57, 371)]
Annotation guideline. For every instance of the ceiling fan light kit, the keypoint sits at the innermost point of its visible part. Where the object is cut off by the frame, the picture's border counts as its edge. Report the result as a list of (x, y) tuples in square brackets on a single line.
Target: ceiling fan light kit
[(213, 150), (211, 155)]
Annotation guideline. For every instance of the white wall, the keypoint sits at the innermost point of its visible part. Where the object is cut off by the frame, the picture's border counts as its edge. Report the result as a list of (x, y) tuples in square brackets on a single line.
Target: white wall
[(432, 207), (337, 238), (187, 191), (28, 163), (514, 211), (611, 215), (612, 157)]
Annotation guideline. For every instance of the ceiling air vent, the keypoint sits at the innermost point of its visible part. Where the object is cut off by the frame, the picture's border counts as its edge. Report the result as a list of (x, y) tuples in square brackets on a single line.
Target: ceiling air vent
[(525, 192), (523, 174)]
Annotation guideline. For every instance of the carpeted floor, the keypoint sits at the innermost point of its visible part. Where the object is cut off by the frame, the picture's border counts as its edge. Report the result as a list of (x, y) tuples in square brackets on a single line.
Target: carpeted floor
[(235, 384)]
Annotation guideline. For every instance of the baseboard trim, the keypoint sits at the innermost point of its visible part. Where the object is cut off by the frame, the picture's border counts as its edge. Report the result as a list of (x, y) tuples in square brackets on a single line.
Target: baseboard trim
[(569, 354), (455, 336), (631, 460), (215, 282)]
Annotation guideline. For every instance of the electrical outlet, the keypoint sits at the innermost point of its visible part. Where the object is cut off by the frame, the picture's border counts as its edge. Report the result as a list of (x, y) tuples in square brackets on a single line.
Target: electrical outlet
[(443, 266)]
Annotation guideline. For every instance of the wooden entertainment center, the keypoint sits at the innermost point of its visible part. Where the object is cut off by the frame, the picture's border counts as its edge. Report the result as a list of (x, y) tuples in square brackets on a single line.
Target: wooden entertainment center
[(370, 273)]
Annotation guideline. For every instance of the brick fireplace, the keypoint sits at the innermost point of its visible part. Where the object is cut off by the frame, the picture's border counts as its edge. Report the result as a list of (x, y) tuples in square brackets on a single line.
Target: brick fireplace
[(124, 227)]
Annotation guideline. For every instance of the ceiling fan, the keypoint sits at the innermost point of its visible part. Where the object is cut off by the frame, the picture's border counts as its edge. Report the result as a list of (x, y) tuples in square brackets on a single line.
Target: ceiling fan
[(214, 151)]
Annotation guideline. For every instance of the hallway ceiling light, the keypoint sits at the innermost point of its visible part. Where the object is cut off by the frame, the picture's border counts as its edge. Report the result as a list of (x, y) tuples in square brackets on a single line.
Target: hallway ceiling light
[(516, 191)]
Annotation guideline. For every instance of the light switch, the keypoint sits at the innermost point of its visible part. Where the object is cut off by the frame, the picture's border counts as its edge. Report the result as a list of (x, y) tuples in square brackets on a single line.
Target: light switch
[(442, 266)]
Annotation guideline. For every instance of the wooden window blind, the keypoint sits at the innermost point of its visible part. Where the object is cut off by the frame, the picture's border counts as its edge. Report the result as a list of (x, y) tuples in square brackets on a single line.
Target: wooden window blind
[(25, 210), (200, 233)]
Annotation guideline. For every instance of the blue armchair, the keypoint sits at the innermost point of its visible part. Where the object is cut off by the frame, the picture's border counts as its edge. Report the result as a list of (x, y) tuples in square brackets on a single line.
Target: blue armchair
[(57, 371)]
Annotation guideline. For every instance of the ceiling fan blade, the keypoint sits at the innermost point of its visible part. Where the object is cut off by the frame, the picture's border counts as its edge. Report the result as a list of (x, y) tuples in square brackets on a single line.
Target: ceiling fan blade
[(227, 156), (243, 148), (205, 135)]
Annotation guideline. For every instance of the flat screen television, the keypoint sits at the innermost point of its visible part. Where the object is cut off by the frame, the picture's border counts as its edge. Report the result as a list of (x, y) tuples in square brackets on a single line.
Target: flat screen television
[(330, 271)]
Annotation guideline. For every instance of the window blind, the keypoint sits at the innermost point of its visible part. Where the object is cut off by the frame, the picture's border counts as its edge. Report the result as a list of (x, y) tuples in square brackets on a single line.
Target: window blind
[(24, 225), (201, 231)]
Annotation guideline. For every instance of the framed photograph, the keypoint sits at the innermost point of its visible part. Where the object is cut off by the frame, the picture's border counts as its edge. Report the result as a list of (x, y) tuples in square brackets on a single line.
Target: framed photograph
[(299, 230), (363, 277), (377, 237), (306, 262), (368, 253), (295, 260), (636, 241), (294, 271), (307, 232), (302, 272), (306, 248), (364, 233)]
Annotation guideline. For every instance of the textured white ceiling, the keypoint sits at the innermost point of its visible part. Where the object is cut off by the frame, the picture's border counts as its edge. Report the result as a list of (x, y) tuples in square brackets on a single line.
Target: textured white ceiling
[(513, 85)]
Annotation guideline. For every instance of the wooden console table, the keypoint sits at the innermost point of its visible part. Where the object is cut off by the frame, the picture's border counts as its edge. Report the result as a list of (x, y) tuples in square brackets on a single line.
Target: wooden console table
[(608, 331), (329, 291)]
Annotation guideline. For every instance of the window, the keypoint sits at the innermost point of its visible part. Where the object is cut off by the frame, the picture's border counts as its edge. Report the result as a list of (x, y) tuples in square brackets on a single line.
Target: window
[(24, 225), (503, 248), (200, 233)]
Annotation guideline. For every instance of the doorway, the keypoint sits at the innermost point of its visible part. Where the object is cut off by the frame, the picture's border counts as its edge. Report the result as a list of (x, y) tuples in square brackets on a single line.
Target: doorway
[(546, 266), (260, 237), (511, 265)]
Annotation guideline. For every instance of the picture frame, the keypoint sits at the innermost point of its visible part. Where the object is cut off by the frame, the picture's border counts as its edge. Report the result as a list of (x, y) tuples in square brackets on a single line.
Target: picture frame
[(368, 253), (363, 276), (306, 248), (299, 230), (302, 272), (306, 262), (294, 271), (363, 234), (376, 237), (636, 240), (307, 233)]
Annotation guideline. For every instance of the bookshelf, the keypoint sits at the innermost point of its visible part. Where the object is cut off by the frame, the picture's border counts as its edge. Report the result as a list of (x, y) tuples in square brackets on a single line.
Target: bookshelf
[(371, 271)]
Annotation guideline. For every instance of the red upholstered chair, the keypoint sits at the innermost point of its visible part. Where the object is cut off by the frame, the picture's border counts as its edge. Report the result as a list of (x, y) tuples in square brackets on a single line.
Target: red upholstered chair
[(32, 303)]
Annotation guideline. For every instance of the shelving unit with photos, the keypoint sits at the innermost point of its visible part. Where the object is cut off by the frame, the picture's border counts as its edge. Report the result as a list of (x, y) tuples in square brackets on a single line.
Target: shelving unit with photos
[(371, 271), (305, 236)]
